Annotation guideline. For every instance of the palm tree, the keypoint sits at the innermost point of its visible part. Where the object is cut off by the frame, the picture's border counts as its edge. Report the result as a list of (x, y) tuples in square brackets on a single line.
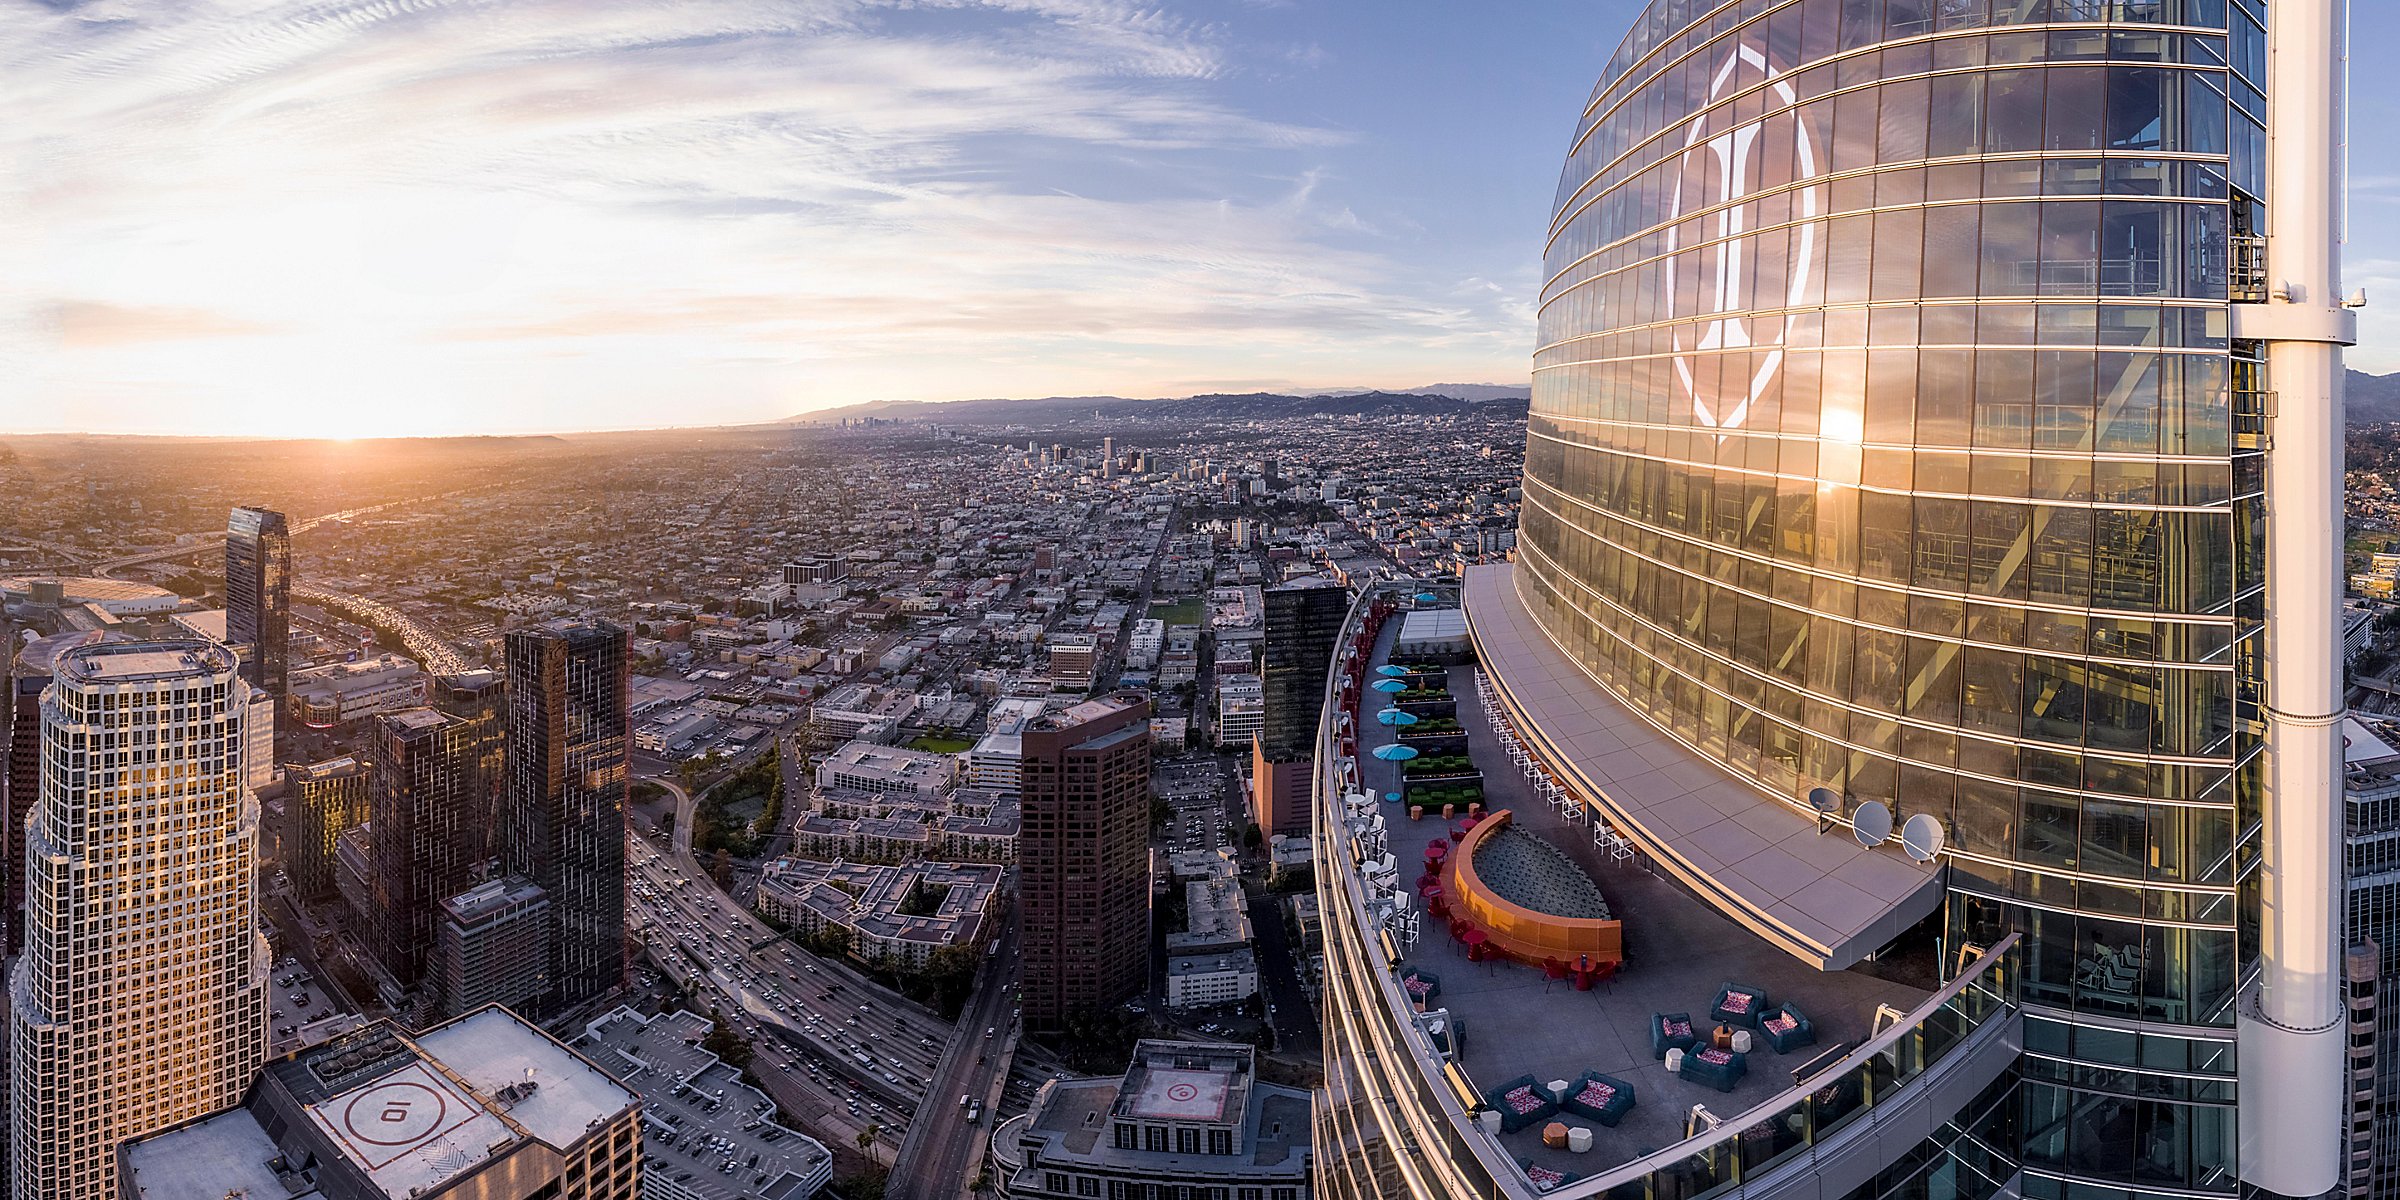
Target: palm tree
[(866, 1141)]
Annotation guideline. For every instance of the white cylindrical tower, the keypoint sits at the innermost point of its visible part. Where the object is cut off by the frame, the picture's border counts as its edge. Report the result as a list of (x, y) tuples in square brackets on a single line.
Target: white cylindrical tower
[(140, 1000), (2292, 1119)]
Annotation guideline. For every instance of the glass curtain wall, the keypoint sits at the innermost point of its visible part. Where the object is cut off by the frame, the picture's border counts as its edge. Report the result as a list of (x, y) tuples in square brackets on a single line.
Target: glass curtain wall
[(1887, 436)]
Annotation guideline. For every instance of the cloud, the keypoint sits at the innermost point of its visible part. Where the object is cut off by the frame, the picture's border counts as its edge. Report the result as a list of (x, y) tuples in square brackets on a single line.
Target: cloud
[(86, 326), (509, 203)]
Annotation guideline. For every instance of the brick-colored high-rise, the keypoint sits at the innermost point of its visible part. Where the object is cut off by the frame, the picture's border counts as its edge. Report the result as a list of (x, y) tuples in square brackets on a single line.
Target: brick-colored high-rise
[(1083, 893)]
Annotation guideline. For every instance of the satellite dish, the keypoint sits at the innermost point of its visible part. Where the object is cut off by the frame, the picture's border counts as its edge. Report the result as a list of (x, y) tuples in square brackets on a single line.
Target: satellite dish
[(1921, 837), (1872, 823), (1825, 800)]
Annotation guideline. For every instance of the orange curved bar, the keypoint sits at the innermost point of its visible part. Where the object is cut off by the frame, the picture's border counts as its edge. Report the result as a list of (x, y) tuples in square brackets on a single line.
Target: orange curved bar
[(1513, 929)]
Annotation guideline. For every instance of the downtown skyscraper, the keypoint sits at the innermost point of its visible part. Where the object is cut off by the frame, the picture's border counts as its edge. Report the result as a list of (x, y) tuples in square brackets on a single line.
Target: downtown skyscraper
[(141, 998), (258, 596), (1083, 859), (568, 755), (1936, 440), (434, 782)]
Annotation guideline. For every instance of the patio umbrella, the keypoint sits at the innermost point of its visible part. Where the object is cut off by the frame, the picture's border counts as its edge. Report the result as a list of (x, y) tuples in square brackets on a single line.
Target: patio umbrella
[(1388, 686), (1396, 754), (1426, 597), (1394, 797), (1391, 670), (1394, 716)]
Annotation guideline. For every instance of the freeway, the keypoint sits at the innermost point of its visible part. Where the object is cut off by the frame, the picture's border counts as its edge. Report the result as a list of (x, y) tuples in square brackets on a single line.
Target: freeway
[(839, 1050), (214, 539), (438, 656), (944, 1147)]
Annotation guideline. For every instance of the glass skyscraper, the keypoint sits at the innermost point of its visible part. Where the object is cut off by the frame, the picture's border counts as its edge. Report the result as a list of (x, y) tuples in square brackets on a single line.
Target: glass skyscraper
[(1928, 393), (568, 756), (258, 595)]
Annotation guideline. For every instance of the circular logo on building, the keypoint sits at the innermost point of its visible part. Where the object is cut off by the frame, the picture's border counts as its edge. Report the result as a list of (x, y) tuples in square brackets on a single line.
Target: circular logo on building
[(1724, 170), (393, 1114)]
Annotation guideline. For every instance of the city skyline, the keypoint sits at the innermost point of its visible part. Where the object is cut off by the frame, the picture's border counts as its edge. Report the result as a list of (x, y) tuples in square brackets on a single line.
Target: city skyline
[(366, 221)]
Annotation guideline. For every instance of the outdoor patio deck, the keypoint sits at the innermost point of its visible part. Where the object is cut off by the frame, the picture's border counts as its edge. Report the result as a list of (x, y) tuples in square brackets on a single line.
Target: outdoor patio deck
[(1678, 953)]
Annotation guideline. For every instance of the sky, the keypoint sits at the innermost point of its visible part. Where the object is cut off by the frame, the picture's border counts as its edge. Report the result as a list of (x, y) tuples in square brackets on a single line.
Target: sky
[(345, 218)]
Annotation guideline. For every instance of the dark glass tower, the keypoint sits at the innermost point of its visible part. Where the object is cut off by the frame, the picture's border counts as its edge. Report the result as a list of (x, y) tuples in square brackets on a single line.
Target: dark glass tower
[(258, 595), (1304, 626), (567, 762), (434, 789)]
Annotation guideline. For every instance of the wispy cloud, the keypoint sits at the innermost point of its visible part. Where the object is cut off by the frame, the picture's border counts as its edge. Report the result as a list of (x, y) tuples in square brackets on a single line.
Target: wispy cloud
[(617, 212)]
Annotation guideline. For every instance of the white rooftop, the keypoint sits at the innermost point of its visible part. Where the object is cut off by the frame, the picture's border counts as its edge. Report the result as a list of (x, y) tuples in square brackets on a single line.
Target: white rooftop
[(493, 1049)]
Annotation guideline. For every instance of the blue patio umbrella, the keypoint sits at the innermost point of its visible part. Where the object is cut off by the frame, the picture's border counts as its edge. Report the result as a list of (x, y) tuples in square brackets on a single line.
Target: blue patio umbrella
[(1394, 716), (1426, 597), (1394, 797), (1388, 686), (1396, 754), (1391, 670)]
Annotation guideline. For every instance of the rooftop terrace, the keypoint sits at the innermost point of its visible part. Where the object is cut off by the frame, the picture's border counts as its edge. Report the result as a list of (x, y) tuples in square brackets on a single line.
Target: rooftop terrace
[(1510, 1020)]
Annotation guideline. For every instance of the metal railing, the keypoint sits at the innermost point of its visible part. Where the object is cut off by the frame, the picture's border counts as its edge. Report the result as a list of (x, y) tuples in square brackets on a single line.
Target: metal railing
[(2251, 410), (2246, 274), (1775, 1133), (1420, 1138)]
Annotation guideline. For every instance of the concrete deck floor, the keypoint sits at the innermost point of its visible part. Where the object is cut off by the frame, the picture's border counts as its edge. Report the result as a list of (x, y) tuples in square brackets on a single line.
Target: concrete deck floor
[(1678, 953)]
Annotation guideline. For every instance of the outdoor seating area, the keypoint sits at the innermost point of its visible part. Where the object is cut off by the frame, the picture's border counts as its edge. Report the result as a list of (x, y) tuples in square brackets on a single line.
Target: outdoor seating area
[(1520, 1102), (1603, 1098), (1711, 1067), (1785, 1029), (1577, 1029), (1738, 1004)]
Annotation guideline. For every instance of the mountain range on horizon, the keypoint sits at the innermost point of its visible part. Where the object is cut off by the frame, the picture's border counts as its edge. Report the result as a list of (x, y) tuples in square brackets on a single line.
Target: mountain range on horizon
[(1042, 409)]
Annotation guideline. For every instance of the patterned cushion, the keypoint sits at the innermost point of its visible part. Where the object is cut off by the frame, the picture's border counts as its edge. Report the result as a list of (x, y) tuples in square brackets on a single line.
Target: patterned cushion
[(1781, 1023), (1738, 1002), (1522, 1100), (1677, 1028), (1595, 1094), (1545, 1178), (1714, 1057), (1416, 985)]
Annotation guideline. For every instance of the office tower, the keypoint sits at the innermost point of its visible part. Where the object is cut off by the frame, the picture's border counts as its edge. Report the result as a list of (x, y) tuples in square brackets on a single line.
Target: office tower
[(1304, 622), (484, 1107), (141, 998), (328, 799), (1900, 460), (23, 780), (492, 946), (258, 595), (2371, 836), (567, 763), (1083, 884), (1108, 457), (436, 779)]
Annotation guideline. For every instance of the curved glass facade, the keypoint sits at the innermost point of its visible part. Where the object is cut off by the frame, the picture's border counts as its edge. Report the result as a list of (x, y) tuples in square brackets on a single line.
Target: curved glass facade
[(1888, 436)]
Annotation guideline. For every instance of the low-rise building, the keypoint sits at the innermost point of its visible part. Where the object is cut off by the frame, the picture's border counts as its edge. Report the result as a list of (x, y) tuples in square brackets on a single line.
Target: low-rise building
[(485, 1107), (888, 770), (715, 1133), (1216, 918), (1201, 980), (1241, 709), (1192, 1112), (337, 693), (901, 914)]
